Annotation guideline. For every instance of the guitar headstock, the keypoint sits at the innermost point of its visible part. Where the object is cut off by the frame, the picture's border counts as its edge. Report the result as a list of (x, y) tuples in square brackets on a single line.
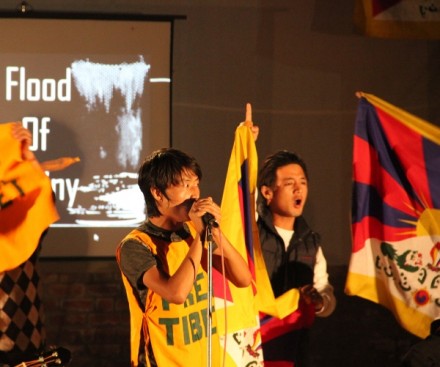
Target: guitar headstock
[(54, 357)]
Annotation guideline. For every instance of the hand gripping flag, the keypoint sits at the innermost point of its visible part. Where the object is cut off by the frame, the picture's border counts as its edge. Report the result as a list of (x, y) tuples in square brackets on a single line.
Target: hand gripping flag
[(238, 321), (395, 258)]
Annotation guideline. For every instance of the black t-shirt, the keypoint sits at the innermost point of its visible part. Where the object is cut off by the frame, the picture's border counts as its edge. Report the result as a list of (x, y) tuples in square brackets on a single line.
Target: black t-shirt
[(136, 259)]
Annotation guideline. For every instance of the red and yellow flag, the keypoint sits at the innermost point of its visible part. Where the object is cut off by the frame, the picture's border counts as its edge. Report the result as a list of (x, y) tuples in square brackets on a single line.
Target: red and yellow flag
[(242, 327), (411, 19), (395, 257)]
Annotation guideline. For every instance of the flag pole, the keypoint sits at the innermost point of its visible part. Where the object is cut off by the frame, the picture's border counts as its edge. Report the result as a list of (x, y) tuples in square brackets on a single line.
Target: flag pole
[(210, 292)]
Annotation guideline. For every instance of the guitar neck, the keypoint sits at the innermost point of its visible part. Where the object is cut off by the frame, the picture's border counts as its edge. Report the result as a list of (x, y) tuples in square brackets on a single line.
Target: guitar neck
[(57, 357)]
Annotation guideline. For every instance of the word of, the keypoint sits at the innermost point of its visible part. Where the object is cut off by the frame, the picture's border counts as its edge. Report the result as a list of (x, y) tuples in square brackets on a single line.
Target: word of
[(39, 134)]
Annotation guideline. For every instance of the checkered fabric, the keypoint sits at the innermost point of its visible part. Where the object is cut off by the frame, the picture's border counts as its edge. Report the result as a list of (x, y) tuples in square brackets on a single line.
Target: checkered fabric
[(21, 316)]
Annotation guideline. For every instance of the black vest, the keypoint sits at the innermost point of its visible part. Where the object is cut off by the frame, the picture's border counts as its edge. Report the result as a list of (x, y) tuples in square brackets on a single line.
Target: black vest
[(294, 267)]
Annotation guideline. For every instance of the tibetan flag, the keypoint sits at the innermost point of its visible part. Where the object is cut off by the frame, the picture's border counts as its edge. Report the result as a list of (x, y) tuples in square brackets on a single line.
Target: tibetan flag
[(238, 309), (27, 206), (237, 316), (411, 19), (395, 257)]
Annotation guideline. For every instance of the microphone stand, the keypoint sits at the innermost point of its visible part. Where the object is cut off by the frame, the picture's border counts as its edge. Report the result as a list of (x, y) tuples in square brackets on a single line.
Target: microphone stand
[(210, 292)]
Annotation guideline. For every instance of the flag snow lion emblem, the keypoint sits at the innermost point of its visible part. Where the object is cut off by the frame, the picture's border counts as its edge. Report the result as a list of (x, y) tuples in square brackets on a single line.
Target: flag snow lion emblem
[(395, 215)]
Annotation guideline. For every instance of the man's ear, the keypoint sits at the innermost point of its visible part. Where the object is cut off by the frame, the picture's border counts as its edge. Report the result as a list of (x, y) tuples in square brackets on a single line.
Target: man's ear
[(157, 195), (267, 193)]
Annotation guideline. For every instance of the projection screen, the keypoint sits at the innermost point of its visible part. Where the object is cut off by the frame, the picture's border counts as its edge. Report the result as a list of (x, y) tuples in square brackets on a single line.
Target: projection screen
[(96, 88)]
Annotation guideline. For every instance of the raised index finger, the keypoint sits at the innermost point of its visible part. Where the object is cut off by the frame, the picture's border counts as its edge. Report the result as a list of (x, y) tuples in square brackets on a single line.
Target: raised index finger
[(248, 119), (248, 112)]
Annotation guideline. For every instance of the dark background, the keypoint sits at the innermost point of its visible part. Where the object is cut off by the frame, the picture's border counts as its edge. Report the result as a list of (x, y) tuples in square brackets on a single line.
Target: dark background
[(299, 63)]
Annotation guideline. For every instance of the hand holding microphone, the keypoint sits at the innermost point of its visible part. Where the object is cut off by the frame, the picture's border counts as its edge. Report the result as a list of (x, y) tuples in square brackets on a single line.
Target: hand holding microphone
[(209, 220), (207, 210)]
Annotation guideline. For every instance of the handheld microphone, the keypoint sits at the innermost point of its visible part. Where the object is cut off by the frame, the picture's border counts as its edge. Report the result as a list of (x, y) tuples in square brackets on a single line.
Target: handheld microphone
[(209, 220)]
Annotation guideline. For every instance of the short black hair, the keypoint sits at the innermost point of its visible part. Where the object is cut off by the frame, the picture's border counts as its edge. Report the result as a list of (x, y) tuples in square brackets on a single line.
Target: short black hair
[(267, 174), (161, 169)]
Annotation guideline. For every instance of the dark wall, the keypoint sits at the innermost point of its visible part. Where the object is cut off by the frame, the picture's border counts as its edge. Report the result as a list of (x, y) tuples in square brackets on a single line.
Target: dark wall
[(299, 63), (86, 311)]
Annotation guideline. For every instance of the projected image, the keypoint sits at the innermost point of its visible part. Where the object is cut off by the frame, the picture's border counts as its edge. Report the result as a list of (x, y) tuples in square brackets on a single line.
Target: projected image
[(95, 111), (96, 91), (112, 198)]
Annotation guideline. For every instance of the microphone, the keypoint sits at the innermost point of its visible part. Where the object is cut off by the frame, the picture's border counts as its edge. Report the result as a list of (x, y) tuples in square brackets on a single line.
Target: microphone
[(209, 220)]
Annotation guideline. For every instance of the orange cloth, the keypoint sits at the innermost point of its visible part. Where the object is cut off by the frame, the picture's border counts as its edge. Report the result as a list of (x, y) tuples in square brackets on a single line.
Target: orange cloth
[(27, 206)]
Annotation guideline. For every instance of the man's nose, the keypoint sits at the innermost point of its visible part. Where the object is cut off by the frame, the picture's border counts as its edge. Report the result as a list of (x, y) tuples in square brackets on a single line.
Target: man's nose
[(195, 192)]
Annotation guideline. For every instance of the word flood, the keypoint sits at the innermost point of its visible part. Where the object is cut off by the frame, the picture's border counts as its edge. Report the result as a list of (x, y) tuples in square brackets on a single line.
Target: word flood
[(34, 89)]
